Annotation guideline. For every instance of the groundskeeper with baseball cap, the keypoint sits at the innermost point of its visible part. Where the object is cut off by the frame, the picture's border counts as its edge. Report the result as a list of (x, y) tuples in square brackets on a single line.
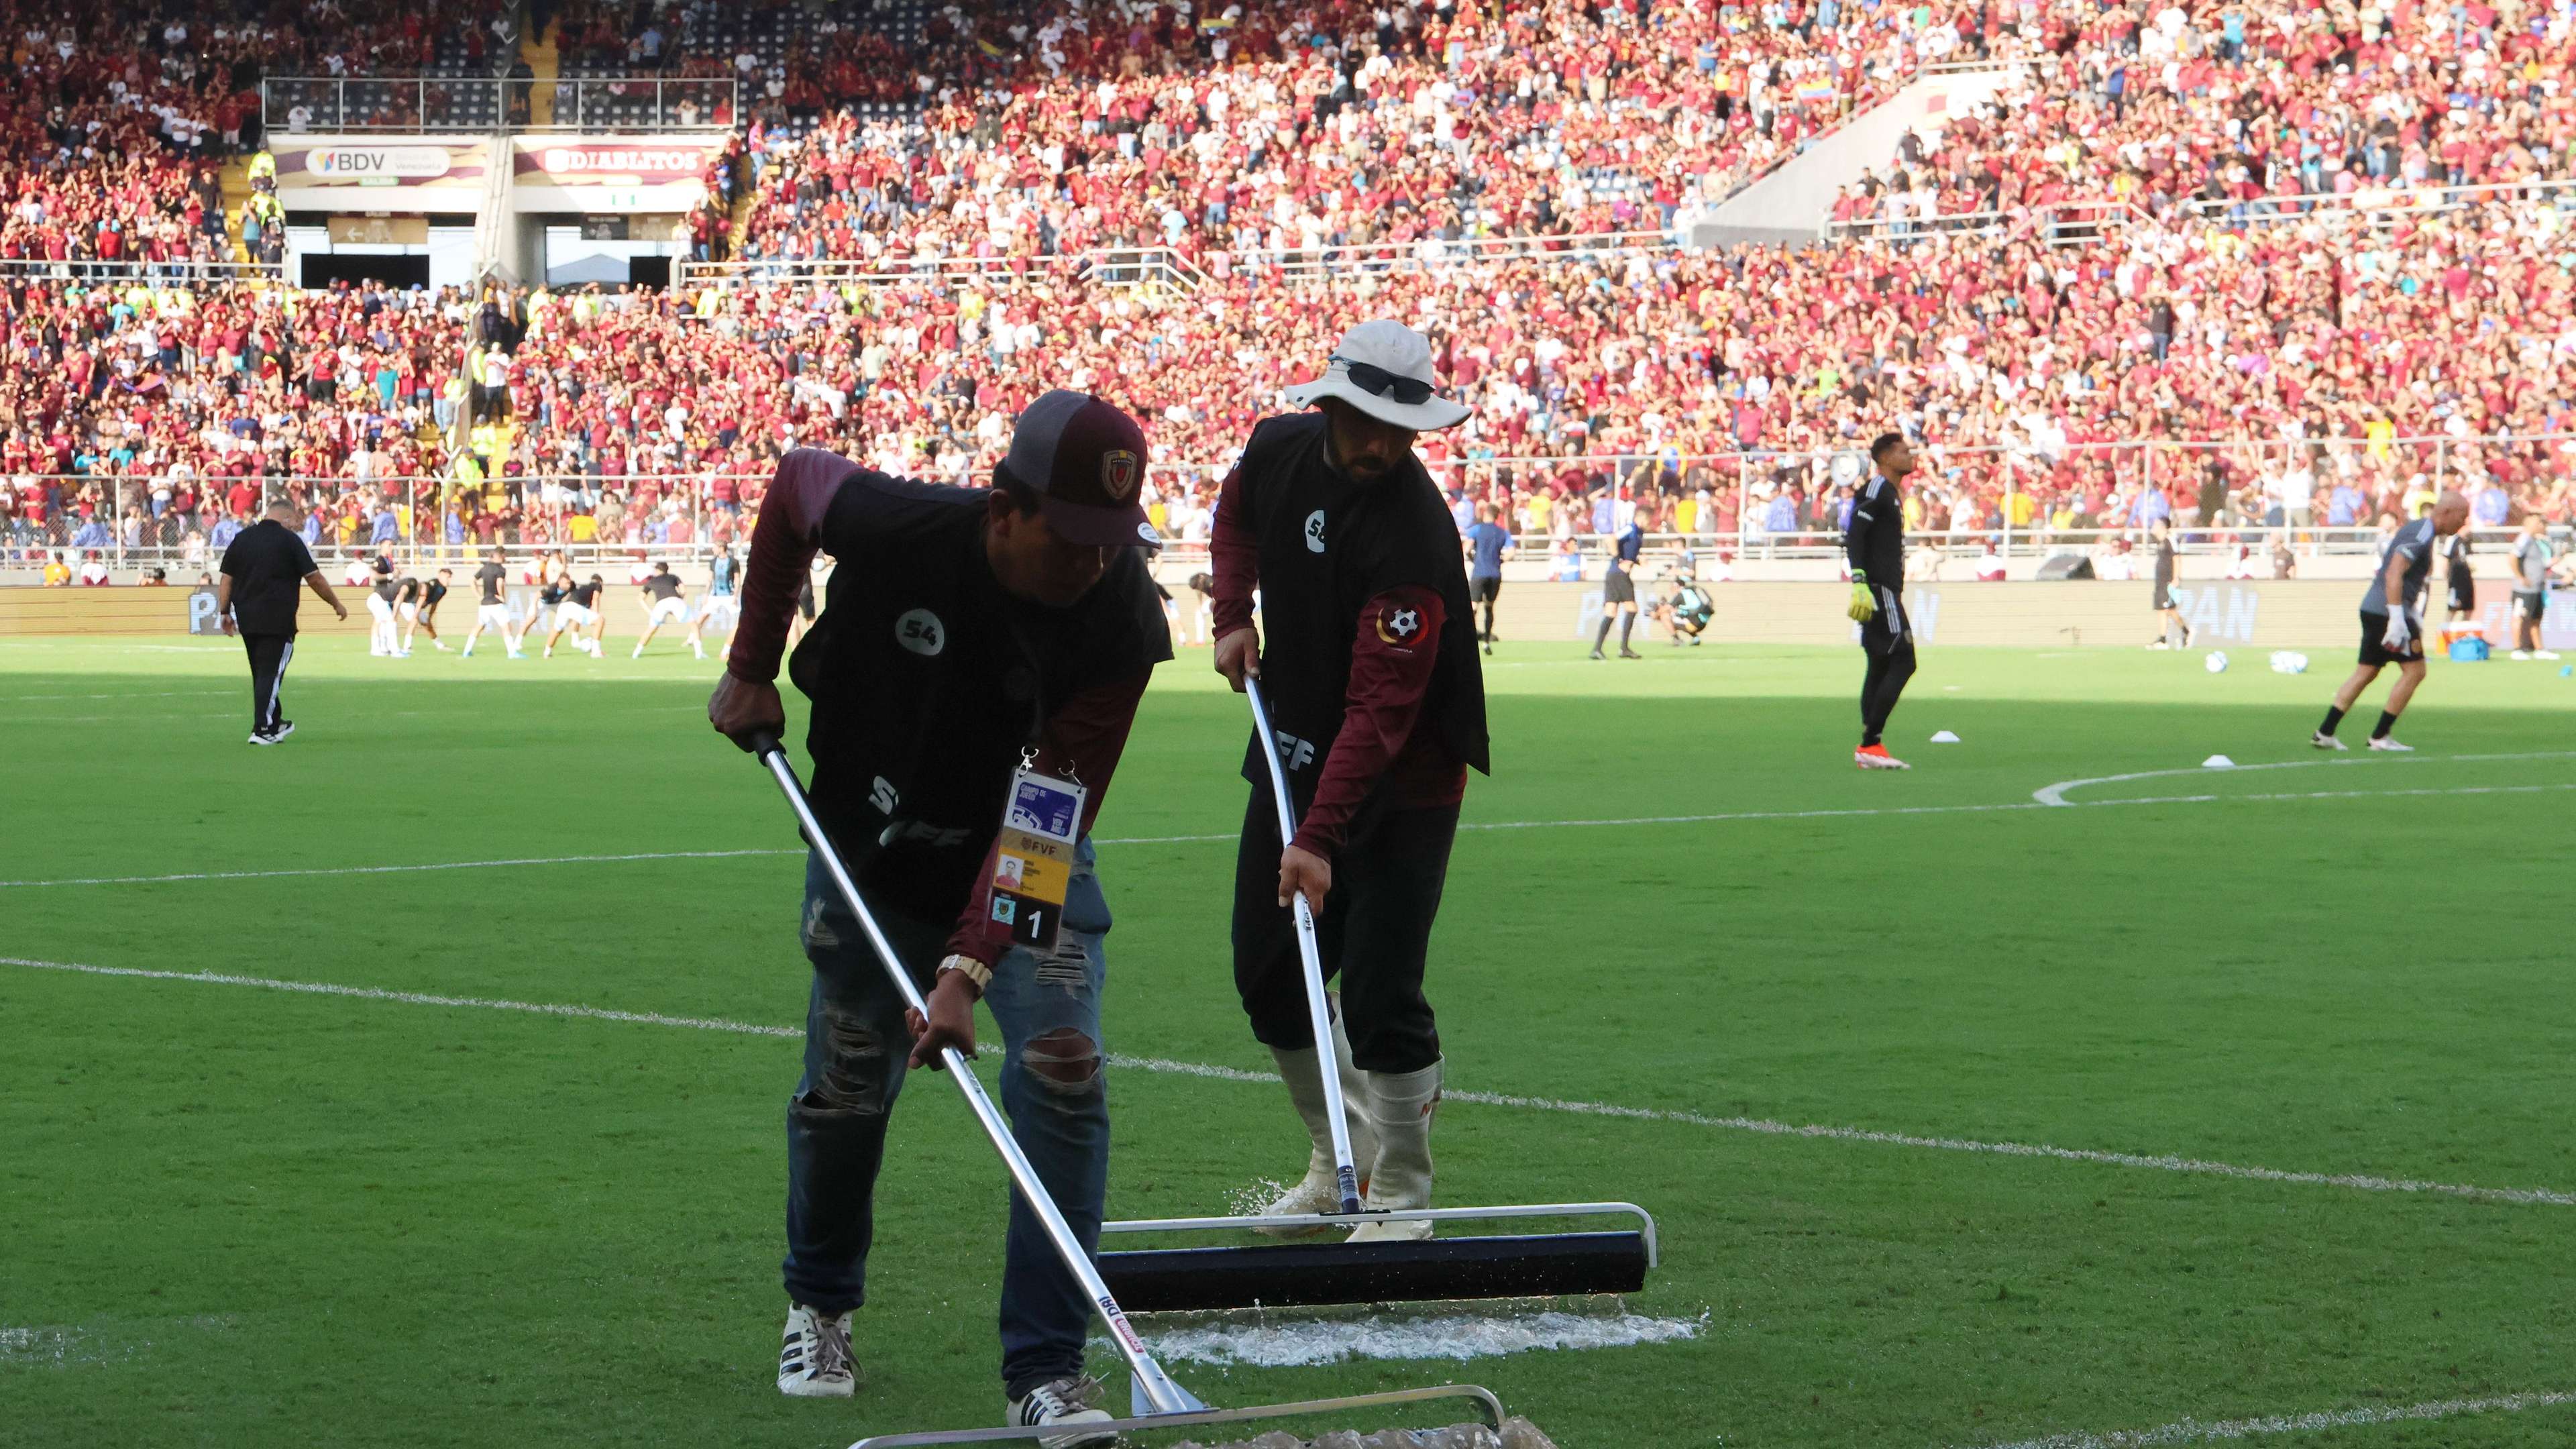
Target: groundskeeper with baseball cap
[(974, 674), (1370, 670)]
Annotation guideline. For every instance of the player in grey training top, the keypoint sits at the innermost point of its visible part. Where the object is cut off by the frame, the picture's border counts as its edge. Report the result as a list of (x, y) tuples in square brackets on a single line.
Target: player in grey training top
[(2395, 635), (2532, 554)]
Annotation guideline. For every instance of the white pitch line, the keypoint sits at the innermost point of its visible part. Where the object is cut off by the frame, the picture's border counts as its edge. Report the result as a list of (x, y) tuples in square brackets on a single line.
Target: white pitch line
[(160, 694), (393, 869), (2356, 1181), (2194, 1431), (2055, 795), (1855, 813), (412, 998)]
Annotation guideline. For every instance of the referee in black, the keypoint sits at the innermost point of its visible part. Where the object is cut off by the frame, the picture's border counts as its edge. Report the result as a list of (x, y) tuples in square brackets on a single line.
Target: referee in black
[(1366, 653), (1875, 544), (256, 597)]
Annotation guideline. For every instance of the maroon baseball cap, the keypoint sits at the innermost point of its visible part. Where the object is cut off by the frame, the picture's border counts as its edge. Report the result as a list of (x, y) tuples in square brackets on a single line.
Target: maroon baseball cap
[(1085, 458)]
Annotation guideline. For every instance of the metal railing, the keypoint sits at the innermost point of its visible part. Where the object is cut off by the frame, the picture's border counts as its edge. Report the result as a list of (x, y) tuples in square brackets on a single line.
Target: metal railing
[(209, 271), (2065, 223), (135, 521), (681, 517), (2380, 200), (889, 270), (1435, 253), (326, 105), (1142, 267)]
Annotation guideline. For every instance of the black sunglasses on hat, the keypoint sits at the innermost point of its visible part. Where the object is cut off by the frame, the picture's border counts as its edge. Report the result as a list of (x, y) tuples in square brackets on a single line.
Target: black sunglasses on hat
[(1378, 382)]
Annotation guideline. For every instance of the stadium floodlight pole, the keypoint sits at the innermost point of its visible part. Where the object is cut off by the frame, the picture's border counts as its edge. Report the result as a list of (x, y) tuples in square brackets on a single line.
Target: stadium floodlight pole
[(1346, 1177), (1153, 1386)]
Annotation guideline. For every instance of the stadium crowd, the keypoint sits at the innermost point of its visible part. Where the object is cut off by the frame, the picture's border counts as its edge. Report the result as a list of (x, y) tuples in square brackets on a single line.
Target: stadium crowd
[(1059, 129), (1712, 381), (2226, 106), (120, 113)]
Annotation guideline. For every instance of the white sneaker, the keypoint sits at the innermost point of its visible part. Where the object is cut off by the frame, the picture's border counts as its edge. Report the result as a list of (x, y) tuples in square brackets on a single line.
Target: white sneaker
[(2522, 654), (441, 643), (1317, 1193), (814, 1359), (2325, 741), (1876, 757), (2544, 653), (1064, 1401), (2384, 743)]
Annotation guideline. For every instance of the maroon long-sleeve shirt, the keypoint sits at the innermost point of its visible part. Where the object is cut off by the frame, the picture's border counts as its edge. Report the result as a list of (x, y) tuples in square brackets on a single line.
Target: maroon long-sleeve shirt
[(1378, 744)]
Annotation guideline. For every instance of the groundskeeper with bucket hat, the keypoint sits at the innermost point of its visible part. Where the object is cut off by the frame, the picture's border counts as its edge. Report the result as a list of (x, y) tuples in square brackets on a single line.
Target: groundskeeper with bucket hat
[(1378, 709)]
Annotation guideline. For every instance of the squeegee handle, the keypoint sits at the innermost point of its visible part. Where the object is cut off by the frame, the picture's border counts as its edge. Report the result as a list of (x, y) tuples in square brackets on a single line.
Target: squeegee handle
[(1319, 1013), (1165, 1396)]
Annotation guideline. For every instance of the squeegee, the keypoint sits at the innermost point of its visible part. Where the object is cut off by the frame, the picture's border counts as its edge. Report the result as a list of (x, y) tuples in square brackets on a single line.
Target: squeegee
[(1389, 1271), (1157, 1401)]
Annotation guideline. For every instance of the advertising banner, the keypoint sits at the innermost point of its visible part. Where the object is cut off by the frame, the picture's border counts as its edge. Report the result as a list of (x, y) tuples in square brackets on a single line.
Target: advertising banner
[(346, 173), (602, 174)]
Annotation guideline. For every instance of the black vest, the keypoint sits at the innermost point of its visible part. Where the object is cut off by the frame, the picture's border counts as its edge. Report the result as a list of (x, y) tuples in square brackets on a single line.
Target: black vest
[(1329, 544), (928, 680)]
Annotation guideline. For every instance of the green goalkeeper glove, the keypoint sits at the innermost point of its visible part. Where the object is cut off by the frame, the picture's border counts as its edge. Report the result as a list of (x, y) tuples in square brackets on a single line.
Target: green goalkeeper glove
[(1863, 607)]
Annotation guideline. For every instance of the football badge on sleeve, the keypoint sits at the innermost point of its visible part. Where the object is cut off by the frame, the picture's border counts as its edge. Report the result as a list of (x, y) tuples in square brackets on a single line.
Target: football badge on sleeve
[(1399, 625)]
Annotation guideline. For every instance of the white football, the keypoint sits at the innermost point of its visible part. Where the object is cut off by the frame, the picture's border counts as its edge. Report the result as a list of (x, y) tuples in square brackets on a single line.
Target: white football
[(2216, 663)]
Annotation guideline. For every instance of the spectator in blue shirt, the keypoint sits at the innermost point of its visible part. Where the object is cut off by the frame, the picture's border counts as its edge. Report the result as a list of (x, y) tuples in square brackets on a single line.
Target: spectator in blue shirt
[(224, 534), (2493, 505), (2343, 506), (1780, 515), (92, 534), (387, 529)]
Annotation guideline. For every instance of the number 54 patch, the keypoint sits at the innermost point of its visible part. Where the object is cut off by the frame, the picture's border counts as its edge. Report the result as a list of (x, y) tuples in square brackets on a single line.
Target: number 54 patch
[(1033, 857)]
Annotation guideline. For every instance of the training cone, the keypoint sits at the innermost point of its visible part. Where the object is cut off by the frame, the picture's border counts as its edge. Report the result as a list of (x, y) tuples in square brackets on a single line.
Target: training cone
[(2218, 762), (1944, 737)]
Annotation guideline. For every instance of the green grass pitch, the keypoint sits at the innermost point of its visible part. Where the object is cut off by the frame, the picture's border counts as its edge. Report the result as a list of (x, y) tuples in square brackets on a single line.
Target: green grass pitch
[(245, 1217)]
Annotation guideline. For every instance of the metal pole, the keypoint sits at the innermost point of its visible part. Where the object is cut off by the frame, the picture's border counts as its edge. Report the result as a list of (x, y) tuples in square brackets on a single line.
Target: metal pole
[(1157, 1387), (1319, 1017)]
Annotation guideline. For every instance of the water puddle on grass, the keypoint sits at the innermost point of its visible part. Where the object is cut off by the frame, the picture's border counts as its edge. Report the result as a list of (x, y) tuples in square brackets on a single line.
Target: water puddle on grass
[(1272, 1341), (61, 1346)]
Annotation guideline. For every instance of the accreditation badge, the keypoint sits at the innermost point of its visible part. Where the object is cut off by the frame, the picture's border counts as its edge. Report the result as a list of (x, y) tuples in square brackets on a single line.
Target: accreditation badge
[(1033, 857)]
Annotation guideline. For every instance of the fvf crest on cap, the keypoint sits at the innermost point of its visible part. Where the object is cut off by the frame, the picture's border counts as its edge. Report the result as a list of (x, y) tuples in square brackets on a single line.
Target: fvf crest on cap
[(1085, 458)]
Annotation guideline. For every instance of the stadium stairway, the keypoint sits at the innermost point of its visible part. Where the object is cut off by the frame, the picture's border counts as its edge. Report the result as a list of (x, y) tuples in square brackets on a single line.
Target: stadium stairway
[(1793, 204), (235, 178), (539, 52)]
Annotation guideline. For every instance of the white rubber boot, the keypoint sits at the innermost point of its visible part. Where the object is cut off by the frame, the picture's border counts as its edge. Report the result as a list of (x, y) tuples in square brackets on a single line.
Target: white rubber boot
[(1401, 1105), (1317, 1192)]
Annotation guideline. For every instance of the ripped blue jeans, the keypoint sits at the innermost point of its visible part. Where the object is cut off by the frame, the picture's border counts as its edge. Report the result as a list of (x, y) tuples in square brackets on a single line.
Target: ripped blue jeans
[(1048, 1007)]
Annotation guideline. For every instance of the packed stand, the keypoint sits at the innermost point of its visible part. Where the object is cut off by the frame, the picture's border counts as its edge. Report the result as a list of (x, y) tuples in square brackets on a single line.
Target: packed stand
[(1051, 129), (2238, 111)]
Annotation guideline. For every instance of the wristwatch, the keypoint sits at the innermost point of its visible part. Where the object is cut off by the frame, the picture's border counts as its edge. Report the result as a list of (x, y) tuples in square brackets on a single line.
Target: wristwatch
[(976, 972)]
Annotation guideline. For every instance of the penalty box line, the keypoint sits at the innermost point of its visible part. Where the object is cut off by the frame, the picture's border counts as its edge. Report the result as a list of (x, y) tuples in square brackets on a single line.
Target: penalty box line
[(2360, 1182), (2198, 1431), (1863, 812)]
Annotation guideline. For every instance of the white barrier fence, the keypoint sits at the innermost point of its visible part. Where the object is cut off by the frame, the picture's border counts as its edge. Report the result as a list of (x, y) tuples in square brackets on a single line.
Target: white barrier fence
[(2318, 497)]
